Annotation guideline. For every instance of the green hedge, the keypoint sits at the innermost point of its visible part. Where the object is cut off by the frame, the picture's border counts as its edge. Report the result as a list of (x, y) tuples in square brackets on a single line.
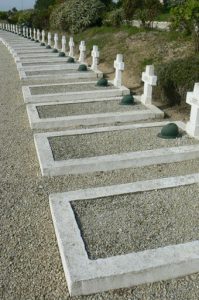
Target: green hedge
[(177, 77)]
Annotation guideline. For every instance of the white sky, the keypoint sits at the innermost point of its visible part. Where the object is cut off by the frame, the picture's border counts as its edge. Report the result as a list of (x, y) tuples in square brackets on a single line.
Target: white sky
[(19, 4)]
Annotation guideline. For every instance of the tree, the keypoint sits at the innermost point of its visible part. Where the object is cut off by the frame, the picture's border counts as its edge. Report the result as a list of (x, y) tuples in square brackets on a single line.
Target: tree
[(186, 18), (43, 4)]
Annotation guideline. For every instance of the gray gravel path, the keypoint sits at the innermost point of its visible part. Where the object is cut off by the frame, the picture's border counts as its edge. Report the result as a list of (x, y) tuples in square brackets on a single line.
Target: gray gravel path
[(61, 110), (112, 142), (68, 88), (136, 222), (30, 262)]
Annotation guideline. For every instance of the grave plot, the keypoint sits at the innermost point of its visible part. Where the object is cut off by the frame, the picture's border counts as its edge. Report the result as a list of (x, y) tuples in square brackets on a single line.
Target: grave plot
[(111, 148), (154, 222), (36, 55), (37, 50), (89, 112), (70, 91), (43, 65), (68, 71), (41, 60)]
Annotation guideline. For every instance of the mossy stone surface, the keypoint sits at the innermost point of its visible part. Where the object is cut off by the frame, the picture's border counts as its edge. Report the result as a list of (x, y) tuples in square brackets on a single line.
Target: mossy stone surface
[(70, 60), (127, 100), (62, 54), (102, 82), (82, 68), (170, 131)]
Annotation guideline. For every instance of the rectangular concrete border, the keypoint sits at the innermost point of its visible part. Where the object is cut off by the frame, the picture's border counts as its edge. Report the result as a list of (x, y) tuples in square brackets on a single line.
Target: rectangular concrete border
[(36, 122), (64, 97), (37, 67), (50, 167), (85, 276), (79, 75)]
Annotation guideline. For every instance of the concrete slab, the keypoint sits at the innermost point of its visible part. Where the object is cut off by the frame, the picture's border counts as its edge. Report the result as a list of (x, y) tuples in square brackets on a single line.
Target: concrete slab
[(68, 96), (51, 167), (62, 73), (36, 122), (85, 276)]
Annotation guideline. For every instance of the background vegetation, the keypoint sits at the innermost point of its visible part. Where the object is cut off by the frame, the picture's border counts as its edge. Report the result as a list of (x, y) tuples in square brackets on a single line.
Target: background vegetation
[(101, 22)]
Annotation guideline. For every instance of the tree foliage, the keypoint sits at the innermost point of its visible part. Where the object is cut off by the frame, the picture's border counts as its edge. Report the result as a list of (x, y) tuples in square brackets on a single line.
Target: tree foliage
[(75, 15), (43, 4), (144, 10), (185, 17)]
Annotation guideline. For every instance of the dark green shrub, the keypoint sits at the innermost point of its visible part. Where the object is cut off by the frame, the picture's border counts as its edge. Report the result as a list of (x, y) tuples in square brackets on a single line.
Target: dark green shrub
[(177, 77), (75, 15), (115, 17)]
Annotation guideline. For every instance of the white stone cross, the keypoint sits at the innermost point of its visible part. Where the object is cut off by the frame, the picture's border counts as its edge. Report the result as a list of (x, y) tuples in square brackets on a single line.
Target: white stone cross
[(95, 58), (24, 31), (27, 32), (56, 41), (71, 47), (192, 127), (34, 34), (49, 39), (119, 68), (150, 80), (43, 36), (38, 35), (82, 49), (63, 42), (30, 33)]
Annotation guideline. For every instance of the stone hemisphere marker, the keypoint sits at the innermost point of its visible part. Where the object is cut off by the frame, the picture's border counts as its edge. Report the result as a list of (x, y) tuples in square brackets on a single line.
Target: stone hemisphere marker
[(150, 80), (95, 58), (192, 127), (82, 49), (119, 68), (71, 47)]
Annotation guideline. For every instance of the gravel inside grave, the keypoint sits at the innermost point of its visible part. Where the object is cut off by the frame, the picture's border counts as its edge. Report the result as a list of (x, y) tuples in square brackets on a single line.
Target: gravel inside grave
[(43, 61), (138, 221), (31, 267), (54, 89), (112, 142), (61, 110), (56, 72)]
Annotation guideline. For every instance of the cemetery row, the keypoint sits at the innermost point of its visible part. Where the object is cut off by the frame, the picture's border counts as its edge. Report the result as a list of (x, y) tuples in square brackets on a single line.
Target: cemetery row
[(96, 123)]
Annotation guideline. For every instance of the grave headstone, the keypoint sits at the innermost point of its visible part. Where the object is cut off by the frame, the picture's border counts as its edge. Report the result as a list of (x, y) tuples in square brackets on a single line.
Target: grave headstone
[(192, 127), (34, 34), (27, 32), (95, 58), (30, 31), (43, 38), (55, 47), (38, 35), (49, 41), (150, 80), (71, 47), (63, 44), (119, 68), (82, 49)]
